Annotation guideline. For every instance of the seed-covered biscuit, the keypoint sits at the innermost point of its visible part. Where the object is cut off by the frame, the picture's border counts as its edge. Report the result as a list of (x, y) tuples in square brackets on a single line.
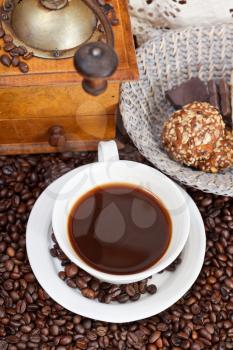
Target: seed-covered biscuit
[(222, 155), (190, 135)]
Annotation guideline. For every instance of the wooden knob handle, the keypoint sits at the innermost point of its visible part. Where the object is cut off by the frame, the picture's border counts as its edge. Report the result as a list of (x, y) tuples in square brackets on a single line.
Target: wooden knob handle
[(57, 136), (96, 62)]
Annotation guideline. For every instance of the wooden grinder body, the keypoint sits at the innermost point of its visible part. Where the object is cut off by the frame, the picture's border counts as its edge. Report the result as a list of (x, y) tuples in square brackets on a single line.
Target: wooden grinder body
[(51, 94)]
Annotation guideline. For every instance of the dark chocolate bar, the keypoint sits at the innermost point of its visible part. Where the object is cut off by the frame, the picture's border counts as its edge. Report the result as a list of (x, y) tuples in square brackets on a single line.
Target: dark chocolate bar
[(225, 102), (188, 92), (213, 94)]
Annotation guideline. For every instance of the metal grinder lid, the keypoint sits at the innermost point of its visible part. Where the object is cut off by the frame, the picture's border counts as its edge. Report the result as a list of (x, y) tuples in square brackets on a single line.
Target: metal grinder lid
[(51, 28)]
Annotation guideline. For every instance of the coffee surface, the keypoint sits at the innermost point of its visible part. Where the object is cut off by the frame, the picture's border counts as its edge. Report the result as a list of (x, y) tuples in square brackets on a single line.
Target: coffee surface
[(119, 229)]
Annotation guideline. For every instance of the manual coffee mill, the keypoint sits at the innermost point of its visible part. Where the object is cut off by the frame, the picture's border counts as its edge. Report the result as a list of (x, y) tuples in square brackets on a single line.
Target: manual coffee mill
[(56, 59)]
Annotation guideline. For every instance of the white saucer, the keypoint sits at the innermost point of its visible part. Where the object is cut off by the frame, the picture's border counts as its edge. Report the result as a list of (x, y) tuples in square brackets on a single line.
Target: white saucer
[(171, 285)]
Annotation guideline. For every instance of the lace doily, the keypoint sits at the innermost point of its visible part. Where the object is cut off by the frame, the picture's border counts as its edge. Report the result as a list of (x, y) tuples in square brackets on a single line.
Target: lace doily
[(169, 59), (149, 14)]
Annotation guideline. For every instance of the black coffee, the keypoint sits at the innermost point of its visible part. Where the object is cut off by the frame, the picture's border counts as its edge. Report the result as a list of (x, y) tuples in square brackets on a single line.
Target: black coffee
[(119, 229)]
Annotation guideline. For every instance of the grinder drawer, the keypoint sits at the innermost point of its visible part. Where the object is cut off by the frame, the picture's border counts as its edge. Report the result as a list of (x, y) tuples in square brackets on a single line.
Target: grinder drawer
[(50, 101), (15, 135)]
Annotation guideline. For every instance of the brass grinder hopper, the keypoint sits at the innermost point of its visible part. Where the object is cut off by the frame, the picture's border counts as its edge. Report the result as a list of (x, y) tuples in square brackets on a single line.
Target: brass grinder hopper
[(58, 29)]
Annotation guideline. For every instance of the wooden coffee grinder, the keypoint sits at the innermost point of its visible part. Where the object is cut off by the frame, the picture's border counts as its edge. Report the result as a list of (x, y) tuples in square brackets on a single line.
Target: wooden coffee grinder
[(61, 65)]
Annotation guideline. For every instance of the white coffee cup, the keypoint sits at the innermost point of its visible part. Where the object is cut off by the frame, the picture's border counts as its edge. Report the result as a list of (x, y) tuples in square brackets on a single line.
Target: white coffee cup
[(109, 169)]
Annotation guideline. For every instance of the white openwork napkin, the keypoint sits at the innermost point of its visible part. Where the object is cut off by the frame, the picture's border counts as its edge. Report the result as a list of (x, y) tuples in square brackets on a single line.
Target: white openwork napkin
[(147, 15)]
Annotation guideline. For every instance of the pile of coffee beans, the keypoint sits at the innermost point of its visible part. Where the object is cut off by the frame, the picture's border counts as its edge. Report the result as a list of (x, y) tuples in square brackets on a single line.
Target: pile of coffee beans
[(109, 11), (93, 288), (14, 55), (174, 265), (29, 319)]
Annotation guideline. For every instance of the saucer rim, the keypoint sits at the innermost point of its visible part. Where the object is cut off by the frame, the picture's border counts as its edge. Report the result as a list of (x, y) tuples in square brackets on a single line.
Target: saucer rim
[(128, 312)]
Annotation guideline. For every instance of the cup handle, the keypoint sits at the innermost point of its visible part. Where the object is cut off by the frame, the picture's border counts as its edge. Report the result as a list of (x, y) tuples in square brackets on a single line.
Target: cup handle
[(108, 151)]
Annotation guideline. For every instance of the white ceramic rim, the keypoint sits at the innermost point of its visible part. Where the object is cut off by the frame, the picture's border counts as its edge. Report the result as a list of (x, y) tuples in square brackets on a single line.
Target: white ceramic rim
[(108, 154), (42, 264)]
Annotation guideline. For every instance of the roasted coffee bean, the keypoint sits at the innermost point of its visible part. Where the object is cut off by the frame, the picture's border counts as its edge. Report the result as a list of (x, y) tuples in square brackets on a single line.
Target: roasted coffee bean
[(230, 249), (8, 47), (29, 277), (130, 290), (7, 170), (122, 298), (3, 247), (71, 270), (15, 61), (5, 60), (23, 67), (81, 343), (14, 52), (61, 274), (53, 252), (12, 339), (26, 329), (70, 283), (114, 293), (10, 252), (142, 287), (88, 293), (65, 340), (136, 297), (21, 306), (152, 347), (35, 339), (229, 282), (206, 201), (154, 336), (22, 208), (107, 299), (81, 283), (22, 50), (54, 330), (9, 265), (195, 309), (7, 38), (28, 55), (77, 319), (95, 285), (151, 289)]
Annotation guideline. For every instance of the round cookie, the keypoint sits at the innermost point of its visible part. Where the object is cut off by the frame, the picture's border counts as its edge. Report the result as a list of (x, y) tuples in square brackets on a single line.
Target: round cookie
[(191, 133), (222, 155)]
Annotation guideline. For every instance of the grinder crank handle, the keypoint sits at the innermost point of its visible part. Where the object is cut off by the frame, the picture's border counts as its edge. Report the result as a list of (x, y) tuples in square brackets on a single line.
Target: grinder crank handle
[(96, 62)]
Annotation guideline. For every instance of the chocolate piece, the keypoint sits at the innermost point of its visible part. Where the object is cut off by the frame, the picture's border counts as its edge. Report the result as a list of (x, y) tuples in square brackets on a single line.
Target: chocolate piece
[(213, 94), (188, 92), (225, 101)]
